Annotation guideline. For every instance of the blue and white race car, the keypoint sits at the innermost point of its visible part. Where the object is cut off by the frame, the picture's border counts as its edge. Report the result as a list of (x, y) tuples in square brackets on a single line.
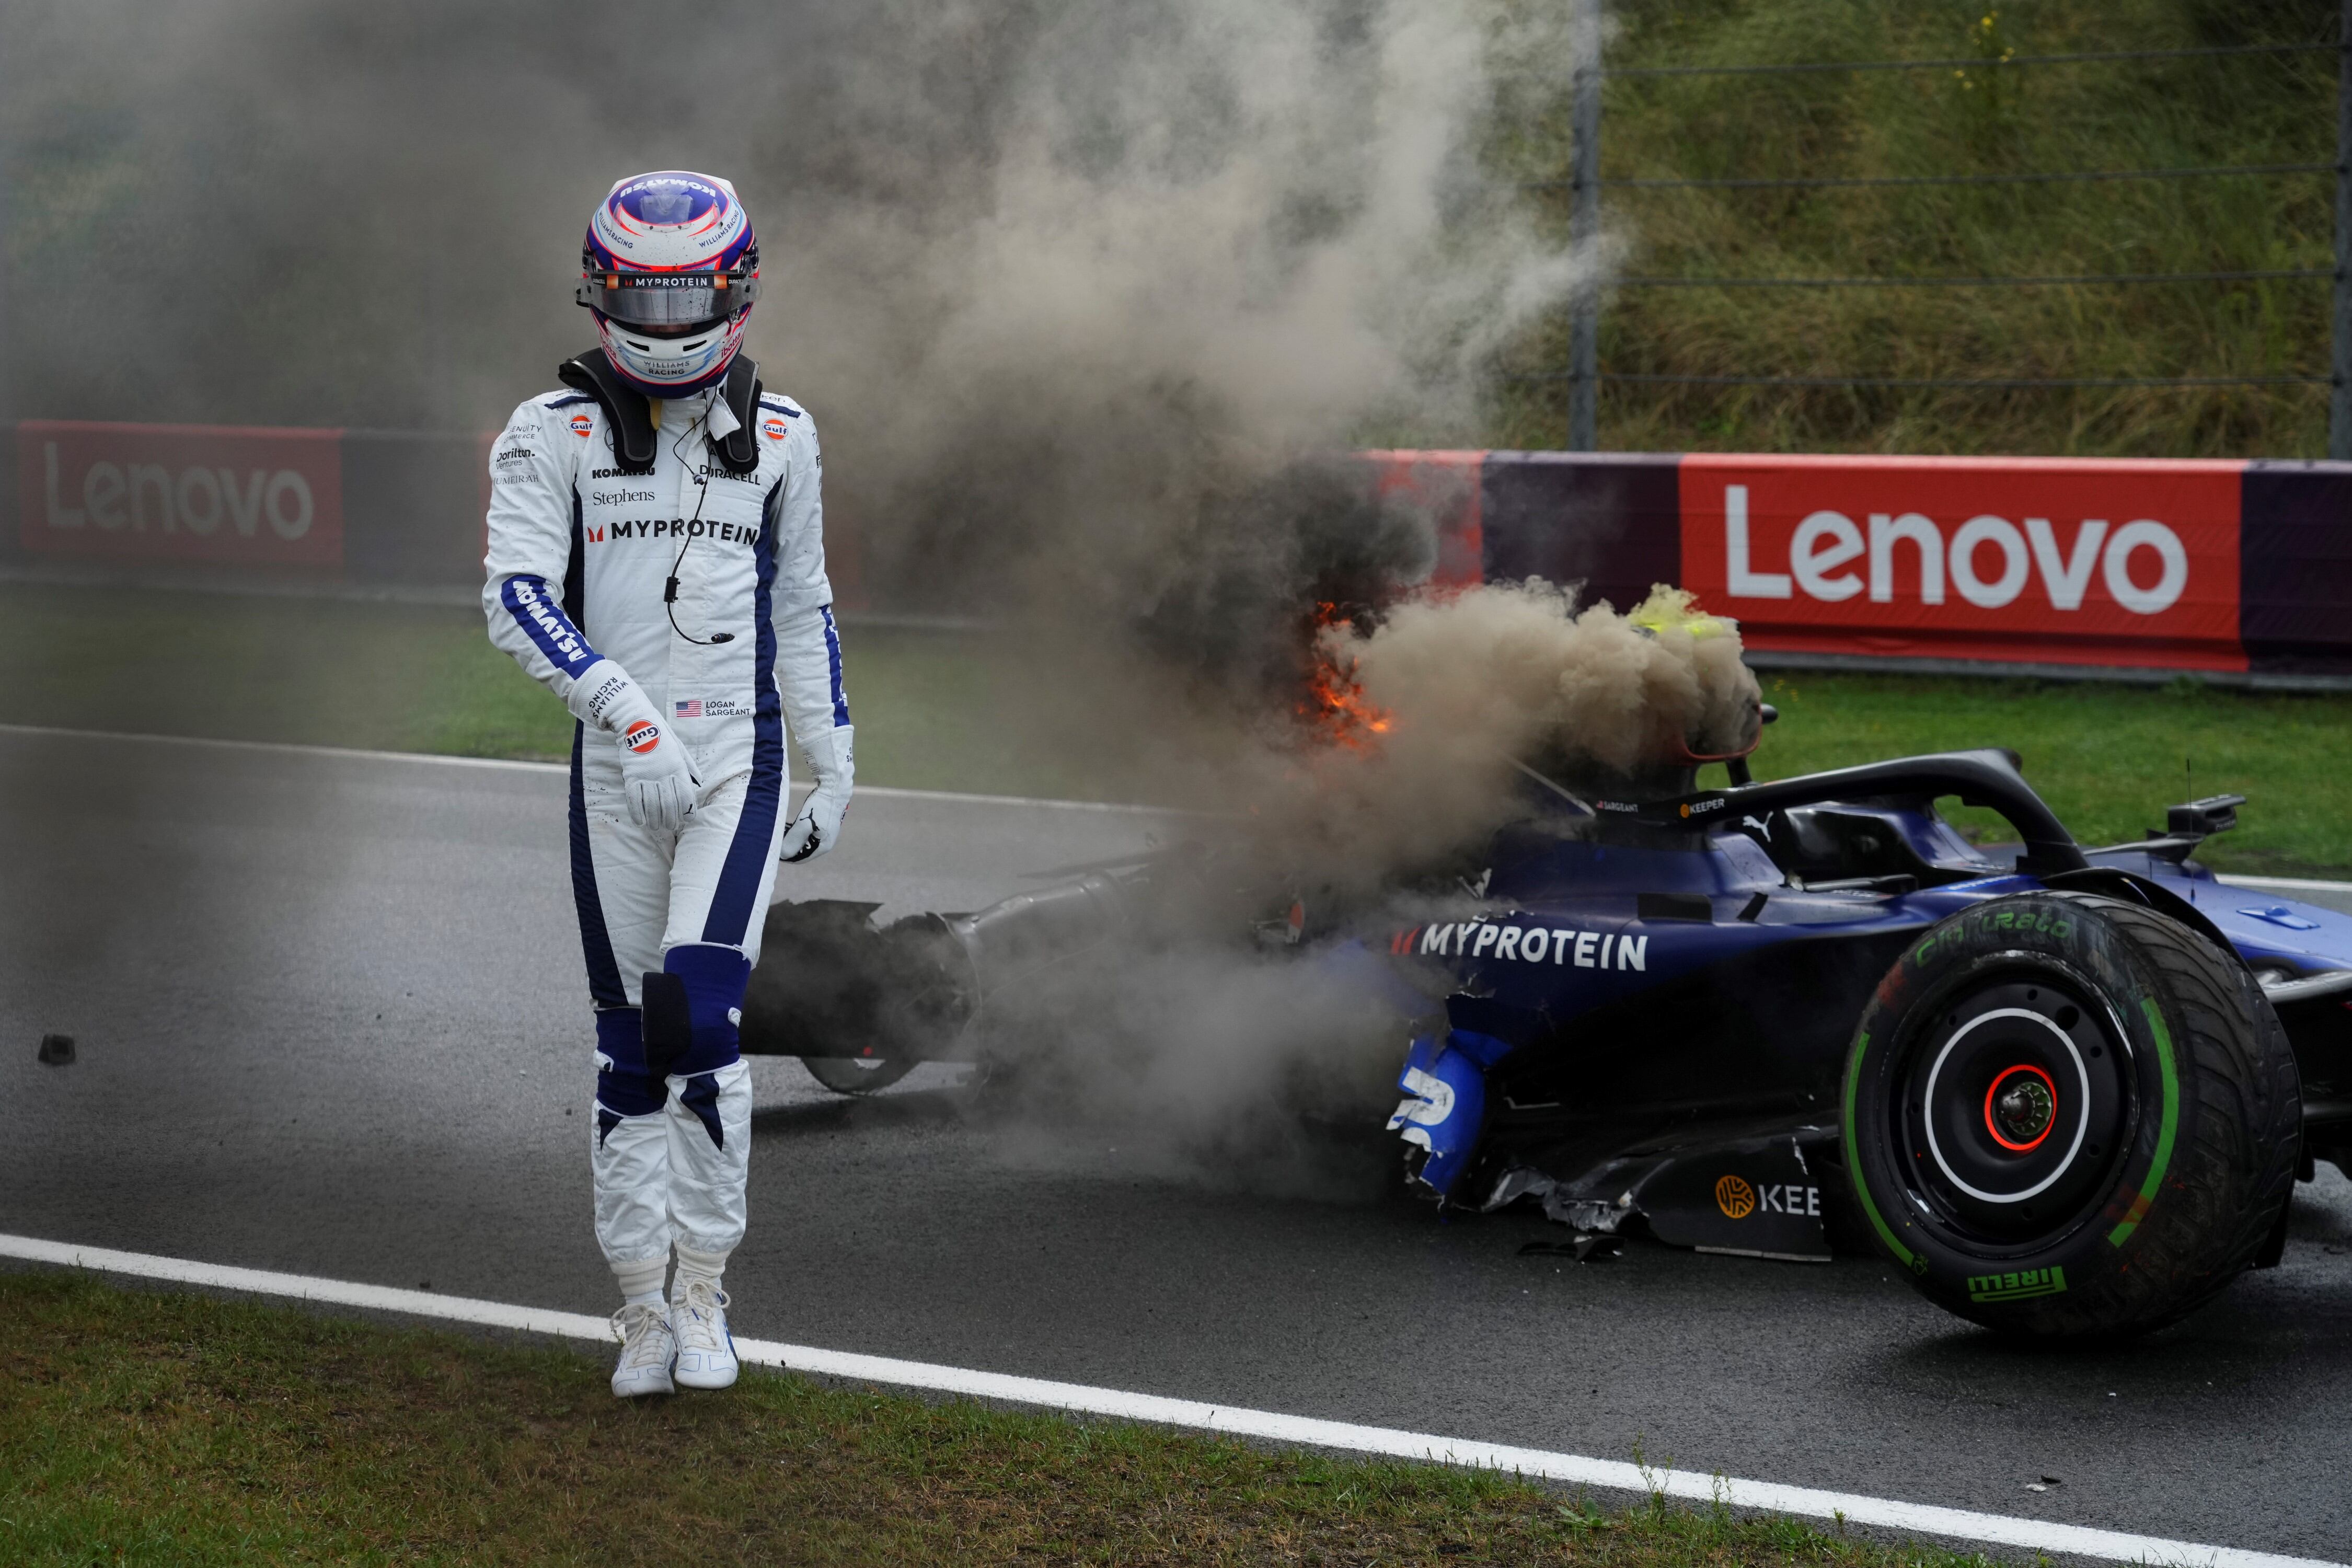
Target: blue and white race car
[(2069, 1091)]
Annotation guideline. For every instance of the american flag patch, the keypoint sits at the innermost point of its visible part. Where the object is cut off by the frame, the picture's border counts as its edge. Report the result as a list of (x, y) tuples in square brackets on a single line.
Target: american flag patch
[(691, 709)]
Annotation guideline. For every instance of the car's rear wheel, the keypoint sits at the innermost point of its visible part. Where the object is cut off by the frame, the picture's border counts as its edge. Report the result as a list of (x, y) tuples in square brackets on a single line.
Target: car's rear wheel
[(856, 1075), (2072, 1115)]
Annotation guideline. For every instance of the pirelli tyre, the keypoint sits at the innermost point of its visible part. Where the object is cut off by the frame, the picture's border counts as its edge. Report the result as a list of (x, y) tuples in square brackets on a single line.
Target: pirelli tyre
[(2069, 1116)]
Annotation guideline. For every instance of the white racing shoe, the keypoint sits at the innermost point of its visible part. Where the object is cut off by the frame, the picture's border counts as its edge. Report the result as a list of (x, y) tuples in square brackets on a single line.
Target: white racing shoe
[(648, 1348), (706, 1350)]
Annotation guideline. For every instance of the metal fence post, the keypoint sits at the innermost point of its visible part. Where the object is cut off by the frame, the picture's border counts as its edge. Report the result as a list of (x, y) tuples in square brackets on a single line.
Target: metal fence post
[(2339, 408), (1584, 228)]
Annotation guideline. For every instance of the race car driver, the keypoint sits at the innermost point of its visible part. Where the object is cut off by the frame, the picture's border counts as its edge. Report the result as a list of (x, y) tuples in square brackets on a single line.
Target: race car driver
[(656, 559)]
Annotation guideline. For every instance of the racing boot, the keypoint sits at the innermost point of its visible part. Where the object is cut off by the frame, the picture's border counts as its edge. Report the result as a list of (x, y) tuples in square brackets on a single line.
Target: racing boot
[(648, 1348), (706, 1350)]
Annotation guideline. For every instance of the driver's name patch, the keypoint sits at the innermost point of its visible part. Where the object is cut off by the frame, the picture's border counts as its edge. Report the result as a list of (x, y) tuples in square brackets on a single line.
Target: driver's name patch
[(2016, 1287)]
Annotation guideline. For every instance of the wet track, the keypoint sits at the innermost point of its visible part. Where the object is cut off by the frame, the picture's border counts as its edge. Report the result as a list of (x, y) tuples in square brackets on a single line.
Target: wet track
[(330, 1022)]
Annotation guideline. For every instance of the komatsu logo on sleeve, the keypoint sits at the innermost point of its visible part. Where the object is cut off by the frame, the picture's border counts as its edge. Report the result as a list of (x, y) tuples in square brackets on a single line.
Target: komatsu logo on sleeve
[(1527, 944), (559, 635)]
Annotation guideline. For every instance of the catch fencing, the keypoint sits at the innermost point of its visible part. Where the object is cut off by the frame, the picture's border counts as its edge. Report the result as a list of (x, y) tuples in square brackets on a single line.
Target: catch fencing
[(1585, 377)]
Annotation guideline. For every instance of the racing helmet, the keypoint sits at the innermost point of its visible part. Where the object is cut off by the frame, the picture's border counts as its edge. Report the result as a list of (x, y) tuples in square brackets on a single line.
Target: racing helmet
[(670, 269)]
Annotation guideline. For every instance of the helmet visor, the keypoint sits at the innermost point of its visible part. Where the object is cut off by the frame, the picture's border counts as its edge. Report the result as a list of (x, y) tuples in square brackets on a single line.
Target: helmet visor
[(668, 299)]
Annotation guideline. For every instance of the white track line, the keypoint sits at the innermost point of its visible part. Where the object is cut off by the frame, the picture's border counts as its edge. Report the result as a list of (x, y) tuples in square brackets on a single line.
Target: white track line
[(437, 759), (1919, 1519), (2285, 884)]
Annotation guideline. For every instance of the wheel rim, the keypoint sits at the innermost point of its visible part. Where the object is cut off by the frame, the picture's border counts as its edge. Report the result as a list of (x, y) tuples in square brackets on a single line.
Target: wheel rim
[(2015, 1107)]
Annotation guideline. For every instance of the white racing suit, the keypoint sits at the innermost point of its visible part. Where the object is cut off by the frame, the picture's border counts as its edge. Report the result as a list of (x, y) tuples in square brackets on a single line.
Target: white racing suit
[(579, 556)]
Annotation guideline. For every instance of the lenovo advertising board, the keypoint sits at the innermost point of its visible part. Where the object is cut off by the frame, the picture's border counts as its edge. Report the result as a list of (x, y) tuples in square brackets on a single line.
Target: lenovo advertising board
[(183, 493), (2012, 560)]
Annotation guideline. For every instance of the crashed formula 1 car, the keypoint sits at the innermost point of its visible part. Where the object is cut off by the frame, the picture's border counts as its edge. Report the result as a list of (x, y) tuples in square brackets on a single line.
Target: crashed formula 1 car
[(2068, 1090)]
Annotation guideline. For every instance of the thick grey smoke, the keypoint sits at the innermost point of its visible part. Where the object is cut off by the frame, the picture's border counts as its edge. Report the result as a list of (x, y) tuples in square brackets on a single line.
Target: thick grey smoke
[(1085, 298), (1377, 814), (1059, 280)]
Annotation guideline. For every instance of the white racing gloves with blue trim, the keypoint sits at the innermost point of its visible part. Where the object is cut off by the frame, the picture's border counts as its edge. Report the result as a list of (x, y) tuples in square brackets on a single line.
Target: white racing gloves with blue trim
[(818, 828)]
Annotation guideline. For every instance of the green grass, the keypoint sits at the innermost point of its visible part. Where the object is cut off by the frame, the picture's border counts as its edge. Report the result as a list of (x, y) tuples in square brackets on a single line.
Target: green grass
[(987, 713), (139, 1428), (934, 709), (2109, 757), (1984, 119)]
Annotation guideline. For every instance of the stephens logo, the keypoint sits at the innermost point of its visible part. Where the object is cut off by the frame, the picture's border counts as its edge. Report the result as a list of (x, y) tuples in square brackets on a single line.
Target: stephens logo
[(774, 428), (642, 736), (582, 424), (1735, 1197)]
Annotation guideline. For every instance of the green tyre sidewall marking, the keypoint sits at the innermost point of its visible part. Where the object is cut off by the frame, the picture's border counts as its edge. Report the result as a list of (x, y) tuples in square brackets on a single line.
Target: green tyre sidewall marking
[(2167, 1126), (1903, 1254), (2055, 1285)]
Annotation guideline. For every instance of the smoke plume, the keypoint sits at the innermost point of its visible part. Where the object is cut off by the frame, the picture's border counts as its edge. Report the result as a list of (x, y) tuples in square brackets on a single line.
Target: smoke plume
[(1086, 301)]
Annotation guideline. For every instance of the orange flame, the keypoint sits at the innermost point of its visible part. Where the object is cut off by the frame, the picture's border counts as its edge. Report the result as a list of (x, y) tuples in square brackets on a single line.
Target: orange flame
[(1334, 708)]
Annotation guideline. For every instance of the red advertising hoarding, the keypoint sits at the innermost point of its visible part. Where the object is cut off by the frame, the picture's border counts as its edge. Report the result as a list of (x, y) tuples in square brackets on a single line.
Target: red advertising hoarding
[(2022, 559), (219, 495), (1443, 485)]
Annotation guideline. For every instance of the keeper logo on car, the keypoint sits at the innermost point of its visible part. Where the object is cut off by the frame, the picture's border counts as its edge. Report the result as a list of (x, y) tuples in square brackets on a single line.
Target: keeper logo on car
[(1738, 1198), (1735, 1197)]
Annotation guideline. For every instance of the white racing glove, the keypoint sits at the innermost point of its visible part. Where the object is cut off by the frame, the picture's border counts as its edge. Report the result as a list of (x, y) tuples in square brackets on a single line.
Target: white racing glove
[(818, 827), (655, 775)]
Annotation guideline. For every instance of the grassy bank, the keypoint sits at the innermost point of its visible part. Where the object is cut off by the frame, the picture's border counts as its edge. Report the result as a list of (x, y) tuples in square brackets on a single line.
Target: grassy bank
[(934, 709), (2108, 758), (158, 1428), (986, 714), (1988, 117)]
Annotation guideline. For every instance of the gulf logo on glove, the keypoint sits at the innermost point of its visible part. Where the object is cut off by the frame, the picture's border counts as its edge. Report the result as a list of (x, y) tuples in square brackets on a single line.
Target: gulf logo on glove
[(181, 492), (2012, 559), (640, 736)]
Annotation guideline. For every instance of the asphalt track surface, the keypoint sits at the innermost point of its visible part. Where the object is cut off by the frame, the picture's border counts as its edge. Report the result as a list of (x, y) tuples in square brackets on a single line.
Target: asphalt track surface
[(331, 1021)]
